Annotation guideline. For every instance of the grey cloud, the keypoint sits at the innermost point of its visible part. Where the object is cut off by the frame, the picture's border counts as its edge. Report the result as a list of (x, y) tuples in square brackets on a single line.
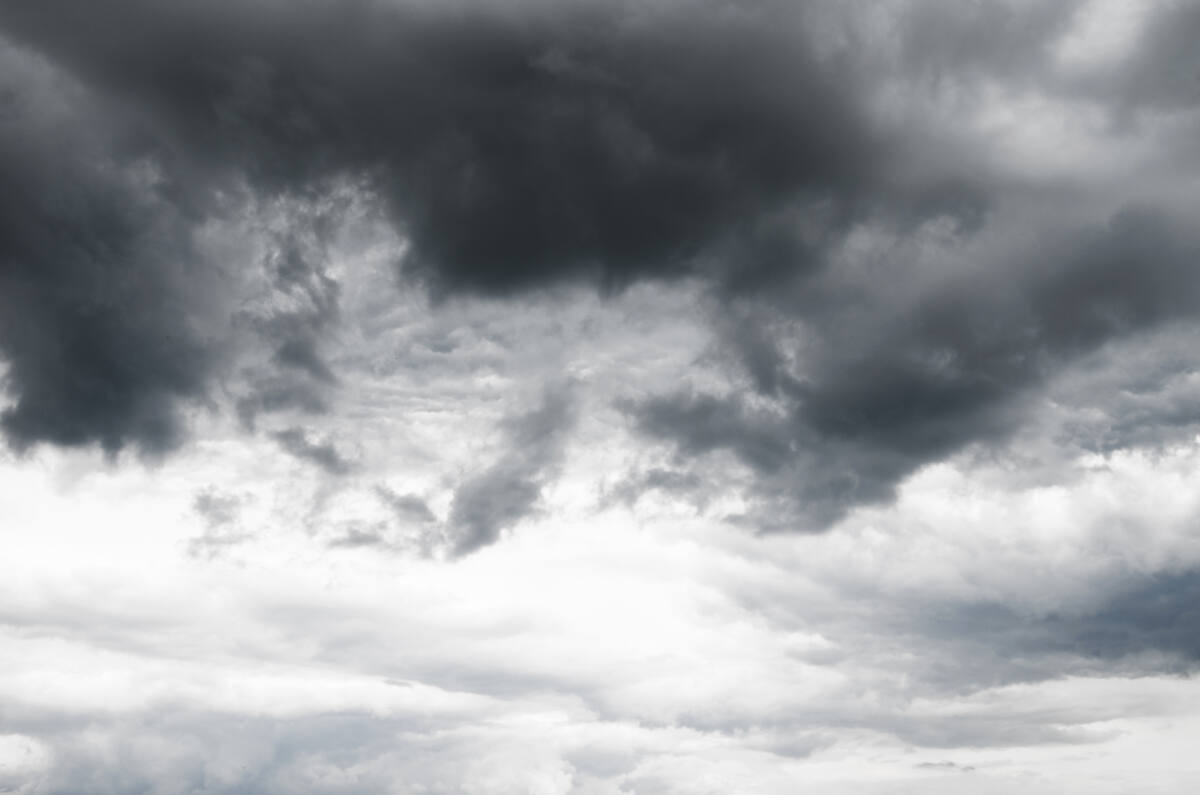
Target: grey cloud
[(407, 507), (938, 648), (216, 508), (300, 353), (1134, 625), (947, 766), (1150, 613), (1163, 73), (517, 148), (513, 149), (945, 48), (296, 442), (297, 333), (351, 751), (357, 537), (298, 304), (413, 527), (912, 384), (508, 490), (702, 423), (214, 542), (1145, 625), (272, 392), (656, 479), (941, 44), (996, 731), (106, 302), (490, 501), (1142, 393), (116, 304), (219, 511), (181, 749)]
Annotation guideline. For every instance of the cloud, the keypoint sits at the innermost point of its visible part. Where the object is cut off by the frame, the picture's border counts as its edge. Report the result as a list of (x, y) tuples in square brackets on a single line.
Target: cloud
[(357, 537), (952, 767), (656, 479), (408, 507), (1131, 625), (107, 305), (323, 454), (1163, 71), (513, 148), (215, 508), (219, 512), (507, 491), (1153, 614), (912, 382), (1004, 623), (894, 264), (295, 302), (921, 273)]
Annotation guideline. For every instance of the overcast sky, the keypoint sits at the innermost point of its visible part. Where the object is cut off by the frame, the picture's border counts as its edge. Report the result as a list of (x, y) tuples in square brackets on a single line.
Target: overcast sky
[(600, 396)]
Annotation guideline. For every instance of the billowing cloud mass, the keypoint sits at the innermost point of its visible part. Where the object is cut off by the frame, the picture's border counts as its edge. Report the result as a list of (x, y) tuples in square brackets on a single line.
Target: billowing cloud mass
[(599, 396), (511, 148)]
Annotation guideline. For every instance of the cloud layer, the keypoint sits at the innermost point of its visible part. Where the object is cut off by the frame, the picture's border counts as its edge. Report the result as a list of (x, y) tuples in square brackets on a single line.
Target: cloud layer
[(599, 397)]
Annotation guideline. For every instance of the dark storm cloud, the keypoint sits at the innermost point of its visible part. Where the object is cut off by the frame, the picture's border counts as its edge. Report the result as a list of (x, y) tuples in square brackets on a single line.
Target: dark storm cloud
[(114, 304), (934, 378), (512, 148), (103, 293), (523, 145), (508, 490), (914, 383)]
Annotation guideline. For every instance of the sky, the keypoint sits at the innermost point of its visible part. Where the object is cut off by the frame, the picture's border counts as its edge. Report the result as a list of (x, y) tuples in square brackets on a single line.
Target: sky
[(599, 397)]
